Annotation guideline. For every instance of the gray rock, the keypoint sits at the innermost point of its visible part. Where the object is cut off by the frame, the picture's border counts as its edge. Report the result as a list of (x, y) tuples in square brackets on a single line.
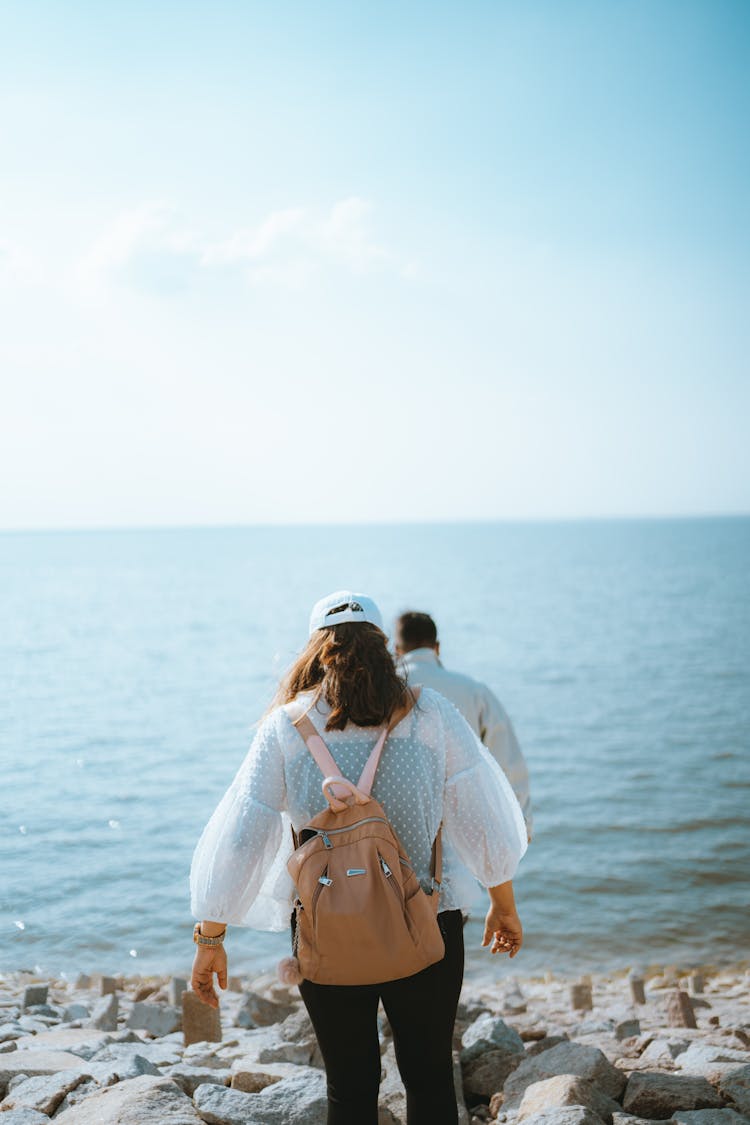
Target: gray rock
[(486, 1074), (568, 1115), (159, 1019), (679, 1010), (298, 1028), (45, 1011), (544, 1044), (268, 1045), (725, 1116), (203, 1054), (252, 1077), (43, 1092), (298, 1100), (200, 1023), (659, 1095), (189, 1078), (104, 1013), (637, 992), (626, 1028), (32, 1063), (175, 989), (158, 1053), (628, 1119), (108, 985), (565, 1058), (599, 1027), (75, 1012), (128, 1066), (735, 1085), (566, 1090), (25, 1117), (82, 981), (711, 1060), (35, 994), (696, 982), (138, 1101), (489, 1033), (663, 1050), (513, 1001), (17, 1080), (32, 1024), (84, 1090), (257, 1011), (81, 1041)]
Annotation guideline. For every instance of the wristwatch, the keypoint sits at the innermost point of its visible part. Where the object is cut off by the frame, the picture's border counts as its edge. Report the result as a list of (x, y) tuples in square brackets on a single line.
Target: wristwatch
[(201, 939)]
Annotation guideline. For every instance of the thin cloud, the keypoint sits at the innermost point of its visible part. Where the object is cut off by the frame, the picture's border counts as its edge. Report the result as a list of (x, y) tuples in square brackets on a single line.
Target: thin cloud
[(151, 248)]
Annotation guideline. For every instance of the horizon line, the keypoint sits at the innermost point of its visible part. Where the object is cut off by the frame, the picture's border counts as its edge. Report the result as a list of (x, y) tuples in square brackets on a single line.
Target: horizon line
[(88, 529)]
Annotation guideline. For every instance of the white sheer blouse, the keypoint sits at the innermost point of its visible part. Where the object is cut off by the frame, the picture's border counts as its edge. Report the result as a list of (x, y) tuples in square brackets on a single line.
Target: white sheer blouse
[(433, 769)]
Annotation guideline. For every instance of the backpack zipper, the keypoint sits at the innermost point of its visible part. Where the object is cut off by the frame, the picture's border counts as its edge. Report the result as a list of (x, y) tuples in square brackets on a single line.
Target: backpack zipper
[(392, 883), (322, 882), (324, 834)]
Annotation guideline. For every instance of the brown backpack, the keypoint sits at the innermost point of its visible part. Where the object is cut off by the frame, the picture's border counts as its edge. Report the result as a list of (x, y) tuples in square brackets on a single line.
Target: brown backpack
[(361, 916)]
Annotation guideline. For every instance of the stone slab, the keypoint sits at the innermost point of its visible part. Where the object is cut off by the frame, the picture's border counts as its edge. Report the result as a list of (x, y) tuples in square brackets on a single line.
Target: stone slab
[(200, 1023), (32, 1063), (138, 1101)]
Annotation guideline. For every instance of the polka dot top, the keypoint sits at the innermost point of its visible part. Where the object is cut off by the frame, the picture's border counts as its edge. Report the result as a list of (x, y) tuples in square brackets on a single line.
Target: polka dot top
[(433, 769)]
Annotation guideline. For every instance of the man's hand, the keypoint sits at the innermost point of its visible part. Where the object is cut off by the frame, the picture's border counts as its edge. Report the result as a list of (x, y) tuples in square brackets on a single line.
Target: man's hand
[(503, 929), (209, 959)]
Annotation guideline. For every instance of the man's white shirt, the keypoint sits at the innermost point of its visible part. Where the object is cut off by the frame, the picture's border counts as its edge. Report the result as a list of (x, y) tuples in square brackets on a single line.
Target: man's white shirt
[(482, 710)]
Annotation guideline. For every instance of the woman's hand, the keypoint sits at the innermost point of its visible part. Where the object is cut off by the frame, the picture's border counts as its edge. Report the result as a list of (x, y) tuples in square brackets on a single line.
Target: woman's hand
[(209, 959), (503, 929)]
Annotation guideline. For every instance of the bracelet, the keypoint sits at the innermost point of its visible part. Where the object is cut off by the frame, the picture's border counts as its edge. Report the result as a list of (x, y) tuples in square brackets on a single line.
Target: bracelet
[(201, 939)]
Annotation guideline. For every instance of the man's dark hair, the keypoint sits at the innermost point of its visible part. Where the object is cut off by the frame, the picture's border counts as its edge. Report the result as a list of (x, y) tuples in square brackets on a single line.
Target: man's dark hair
[(415, 630)]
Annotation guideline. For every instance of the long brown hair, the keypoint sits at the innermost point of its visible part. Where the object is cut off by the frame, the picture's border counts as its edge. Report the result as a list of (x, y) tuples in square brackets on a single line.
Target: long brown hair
[(351, 666)]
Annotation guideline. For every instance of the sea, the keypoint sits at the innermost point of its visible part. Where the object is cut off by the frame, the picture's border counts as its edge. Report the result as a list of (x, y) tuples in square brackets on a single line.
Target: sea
[(135, 665)]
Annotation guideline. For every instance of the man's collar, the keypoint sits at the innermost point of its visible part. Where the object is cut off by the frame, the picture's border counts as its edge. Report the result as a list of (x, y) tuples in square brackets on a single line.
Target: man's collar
[(420, 656)]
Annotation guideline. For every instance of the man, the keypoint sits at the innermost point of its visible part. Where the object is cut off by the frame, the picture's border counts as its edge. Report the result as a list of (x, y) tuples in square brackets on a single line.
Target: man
[(418, 652)]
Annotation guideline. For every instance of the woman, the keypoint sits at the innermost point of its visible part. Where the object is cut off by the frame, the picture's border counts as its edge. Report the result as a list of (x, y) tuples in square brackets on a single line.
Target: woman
[(433, 770)]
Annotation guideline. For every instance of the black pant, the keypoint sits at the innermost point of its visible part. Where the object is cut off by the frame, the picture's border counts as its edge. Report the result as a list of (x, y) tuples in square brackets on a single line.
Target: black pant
[(421, 1010)]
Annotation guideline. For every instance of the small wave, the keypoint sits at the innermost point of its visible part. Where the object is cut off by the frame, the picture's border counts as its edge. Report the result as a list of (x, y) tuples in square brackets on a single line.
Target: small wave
[(700, 824)]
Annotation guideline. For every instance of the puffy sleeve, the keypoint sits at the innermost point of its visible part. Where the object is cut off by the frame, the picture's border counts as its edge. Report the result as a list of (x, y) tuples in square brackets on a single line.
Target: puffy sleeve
[(241, 840), (481, 813)]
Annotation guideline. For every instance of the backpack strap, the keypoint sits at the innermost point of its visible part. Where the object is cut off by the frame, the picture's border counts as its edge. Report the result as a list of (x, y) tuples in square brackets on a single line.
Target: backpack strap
[(316, 746), (325, 760), (367, 779), (436, 863)]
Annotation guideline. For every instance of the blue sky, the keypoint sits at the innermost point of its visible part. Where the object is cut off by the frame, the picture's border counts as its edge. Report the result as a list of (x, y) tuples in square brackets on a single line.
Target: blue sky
[(296, 262)]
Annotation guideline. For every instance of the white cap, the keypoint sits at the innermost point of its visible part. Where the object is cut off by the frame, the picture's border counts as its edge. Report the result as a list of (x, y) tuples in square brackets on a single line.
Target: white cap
[(344, 606)]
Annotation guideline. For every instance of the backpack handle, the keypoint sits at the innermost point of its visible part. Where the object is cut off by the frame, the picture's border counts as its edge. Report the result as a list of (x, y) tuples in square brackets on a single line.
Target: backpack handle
[(338, 805)]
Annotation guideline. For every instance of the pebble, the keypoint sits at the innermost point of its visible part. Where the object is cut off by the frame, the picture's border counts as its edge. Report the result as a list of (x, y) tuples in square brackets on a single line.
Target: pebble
[(580, 995), (679, 1009), (34, 994), (159, 1019), (104, 1013)]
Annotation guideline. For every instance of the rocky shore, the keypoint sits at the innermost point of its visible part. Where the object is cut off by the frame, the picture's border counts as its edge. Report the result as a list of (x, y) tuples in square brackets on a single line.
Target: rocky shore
[(615, 1049)]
